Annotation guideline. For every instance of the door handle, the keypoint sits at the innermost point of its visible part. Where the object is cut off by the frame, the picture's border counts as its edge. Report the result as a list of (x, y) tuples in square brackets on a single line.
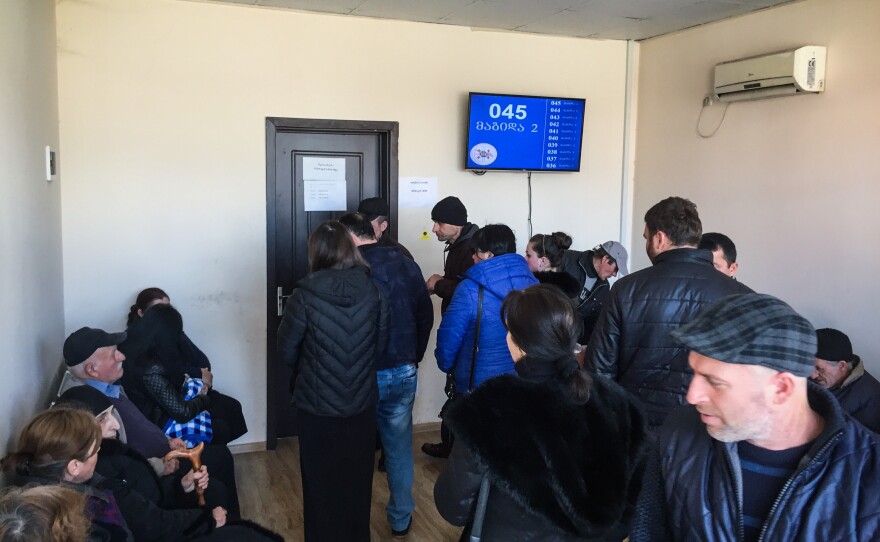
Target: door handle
[(280, 299)]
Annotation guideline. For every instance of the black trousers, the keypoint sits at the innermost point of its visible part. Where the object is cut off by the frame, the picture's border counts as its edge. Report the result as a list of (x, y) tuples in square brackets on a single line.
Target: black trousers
[(336, 460)]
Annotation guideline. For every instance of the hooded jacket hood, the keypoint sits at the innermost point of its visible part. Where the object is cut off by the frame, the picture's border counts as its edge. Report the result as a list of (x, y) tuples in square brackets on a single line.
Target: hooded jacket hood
[(341, 287), (500, 274)]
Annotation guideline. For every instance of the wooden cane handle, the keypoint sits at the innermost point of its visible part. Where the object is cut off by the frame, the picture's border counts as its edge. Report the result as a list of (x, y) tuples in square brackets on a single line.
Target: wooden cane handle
[(195, 457)]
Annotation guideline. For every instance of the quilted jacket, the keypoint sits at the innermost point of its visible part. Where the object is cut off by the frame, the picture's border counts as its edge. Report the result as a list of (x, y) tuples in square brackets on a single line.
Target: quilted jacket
[(455, 337), (333, 334), (692, 487), (631, 342)]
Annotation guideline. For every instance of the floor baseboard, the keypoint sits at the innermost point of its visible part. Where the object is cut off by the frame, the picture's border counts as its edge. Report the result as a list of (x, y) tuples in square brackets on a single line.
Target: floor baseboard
[(260, 446)]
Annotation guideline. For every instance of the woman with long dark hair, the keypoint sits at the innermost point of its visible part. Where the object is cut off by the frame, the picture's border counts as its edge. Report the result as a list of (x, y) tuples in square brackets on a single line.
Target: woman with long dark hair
[(560, 452), (333, 334), (229, 422), (544, 256)]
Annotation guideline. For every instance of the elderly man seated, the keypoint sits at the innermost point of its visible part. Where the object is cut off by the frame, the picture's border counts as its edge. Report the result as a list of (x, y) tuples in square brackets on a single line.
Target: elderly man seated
[(93, 359), (843, 374)]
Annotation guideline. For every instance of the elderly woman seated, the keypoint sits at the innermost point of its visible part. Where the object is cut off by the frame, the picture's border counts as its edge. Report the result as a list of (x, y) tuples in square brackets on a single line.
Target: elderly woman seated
[(61, 446)]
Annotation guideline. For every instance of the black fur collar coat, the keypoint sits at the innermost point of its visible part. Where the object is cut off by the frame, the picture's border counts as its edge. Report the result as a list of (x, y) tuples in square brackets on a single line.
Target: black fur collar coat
[(558, 470)]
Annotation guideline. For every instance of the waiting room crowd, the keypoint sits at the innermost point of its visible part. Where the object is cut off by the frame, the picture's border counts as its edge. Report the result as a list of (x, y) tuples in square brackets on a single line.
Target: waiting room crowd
[(674, 404)]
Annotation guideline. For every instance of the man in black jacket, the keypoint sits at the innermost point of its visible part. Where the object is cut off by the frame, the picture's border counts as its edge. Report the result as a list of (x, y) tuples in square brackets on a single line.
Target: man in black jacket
[(412, 317), (762, 454), (377, 212), (843, 374), (631, 342), (451, 227), (592, 269)]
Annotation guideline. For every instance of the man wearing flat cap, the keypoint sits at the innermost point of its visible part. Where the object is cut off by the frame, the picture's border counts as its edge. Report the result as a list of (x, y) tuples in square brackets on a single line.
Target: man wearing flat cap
[(93, 359), (760, 454), (842, 373), (378, 212)]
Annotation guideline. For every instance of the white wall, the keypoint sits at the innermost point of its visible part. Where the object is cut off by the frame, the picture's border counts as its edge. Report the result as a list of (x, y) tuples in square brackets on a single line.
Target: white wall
[(792, 180), (31, 315), (163, 107)]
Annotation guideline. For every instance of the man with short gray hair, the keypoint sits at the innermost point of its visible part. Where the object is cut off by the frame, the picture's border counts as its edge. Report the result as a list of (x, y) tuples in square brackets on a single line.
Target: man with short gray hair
[(760, 454)]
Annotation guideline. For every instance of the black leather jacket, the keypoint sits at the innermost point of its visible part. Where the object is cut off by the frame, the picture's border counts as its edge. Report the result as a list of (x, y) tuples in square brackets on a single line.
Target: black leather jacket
[(631, 342), (692, 492), (333, 335)]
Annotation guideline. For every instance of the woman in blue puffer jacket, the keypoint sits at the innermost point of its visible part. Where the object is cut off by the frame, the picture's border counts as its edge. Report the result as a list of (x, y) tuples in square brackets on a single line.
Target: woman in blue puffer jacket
[(497, 270)]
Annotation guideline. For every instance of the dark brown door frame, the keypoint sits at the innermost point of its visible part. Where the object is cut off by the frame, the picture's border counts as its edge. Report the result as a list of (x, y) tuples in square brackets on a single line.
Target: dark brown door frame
[(388, 132)]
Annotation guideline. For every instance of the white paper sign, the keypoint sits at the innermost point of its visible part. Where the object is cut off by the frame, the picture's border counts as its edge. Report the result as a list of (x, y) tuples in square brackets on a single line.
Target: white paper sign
[(324, 195), (323, 168), (417, 192)]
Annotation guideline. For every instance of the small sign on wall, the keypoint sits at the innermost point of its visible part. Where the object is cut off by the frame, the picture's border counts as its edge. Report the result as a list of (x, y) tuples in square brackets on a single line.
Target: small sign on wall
[(417, 192)]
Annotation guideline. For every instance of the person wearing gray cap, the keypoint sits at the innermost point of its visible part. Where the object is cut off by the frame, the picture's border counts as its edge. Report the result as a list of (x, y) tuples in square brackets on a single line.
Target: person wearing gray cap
[(842, 373), (761, 454), (630, 342), (592, 269)]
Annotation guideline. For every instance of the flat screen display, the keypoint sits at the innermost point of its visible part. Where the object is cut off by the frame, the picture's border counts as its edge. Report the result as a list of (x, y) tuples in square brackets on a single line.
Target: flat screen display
[(530, 133)]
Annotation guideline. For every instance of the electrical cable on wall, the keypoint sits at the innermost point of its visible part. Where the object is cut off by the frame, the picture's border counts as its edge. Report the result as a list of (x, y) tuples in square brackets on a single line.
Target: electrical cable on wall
[(529, 173), (708, 102)]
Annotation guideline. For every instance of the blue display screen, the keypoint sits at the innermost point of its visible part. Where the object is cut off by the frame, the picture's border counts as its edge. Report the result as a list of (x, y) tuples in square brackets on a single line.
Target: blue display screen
[(524, 132)]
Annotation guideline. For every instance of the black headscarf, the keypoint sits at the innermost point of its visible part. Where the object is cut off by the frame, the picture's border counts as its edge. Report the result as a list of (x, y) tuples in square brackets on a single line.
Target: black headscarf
[(86, 396)]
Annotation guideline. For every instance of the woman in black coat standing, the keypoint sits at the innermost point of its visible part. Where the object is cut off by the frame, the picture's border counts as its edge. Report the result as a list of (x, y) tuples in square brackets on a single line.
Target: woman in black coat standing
[(561, 452), (333, 333)]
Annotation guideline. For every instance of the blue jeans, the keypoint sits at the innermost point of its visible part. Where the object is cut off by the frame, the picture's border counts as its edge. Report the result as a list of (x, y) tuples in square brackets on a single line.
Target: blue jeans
[(397, 393)]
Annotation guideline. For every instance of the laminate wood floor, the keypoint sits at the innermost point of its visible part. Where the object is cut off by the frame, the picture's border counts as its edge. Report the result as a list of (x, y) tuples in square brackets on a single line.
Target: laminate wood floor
[(270, 492)]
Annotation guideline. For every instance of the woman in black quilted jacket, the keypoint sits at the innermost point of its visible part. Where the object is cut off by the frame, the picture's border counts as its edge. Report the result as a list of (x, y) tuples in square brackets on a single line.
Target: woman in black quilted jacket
[(333, 333)]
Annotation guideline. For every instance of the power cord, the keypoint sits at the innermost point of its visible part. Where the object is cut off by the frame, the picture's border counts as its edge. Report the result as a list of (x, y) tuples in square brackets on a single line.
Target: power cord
[(708, 101)]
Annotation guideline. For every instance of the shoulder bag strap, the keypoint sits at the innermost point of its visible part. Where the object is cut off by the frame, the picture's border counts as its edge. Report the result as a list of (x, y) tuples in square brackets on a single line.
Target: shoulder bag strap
[(476, 338), (480, 512)]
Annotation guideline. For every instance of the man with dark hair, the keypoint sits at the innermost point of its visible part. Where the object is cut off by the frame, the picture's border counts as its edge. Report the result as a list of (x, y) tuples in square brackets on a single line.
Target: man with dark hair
[(412, 317), (592, 269), (451, 227), (377, 212), (723, 252), (631, 342), (761, 454), (843, 374)]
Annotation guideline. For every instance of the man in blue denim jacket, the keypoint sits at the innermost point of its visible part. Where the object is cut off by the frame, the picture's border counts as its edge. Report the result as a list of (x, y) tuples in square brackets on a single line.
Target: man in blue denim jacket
[(400, 280)]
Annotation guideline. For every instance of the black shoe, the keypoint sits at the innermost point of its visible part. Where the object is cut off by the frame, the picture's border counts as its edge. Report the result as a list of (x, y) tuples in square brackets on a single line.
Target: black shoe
[(402, 533), (438, 450), (381, 466)]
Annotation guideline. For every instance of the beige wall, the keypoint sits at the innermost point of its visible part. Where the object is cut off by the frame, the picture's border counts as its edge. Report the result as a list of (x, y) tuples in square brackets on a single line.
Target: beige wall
[(792, 180), (163, 107), (31, 306)]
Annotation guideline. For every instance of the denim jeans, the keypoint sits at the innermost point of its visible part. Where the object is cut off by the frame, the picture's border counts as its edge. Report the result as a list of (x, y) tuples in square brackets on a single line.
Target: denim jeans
[(397, 393)]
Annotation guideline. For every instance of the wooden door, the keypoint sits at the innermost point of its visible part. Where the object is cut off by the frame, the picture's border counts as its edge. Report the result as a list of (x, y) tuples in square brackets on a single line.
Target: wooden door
[(367, 153)]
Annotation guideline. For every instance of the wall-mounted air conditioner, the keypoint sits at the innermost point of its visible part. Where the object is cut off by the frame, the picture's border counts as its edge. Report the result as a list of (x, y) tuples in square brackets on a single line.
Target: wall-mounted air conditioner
[(776, 74)]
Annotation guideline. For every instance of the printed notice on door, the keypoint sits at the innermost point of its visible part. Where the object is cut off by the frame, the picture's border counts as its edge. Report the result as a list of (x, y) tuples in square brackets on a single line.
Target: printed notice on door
[(324, 183)]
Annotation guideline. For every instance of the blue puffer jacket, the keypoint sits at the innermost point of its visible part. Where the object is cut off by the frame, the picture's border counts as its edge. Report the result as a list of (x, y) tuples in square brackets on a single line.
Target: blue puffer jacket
[(455, 338), (691, 490)]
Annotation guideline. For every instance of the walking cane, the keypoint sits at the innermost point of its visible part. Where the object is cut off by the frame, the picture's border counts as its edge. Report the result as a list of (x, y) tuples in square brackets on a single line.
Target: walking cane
[(195, 457)]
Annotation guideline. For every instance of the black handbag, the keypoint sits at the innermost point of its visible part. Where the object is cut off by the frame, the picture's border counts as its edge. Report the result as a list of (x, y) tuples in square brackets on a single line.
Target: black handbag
[(450, 376)]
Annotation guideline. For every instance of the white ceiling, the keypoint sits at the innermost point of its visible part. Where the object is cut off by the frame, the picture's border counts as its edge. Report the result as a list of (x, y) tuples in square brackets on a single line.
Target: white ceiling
[(601, 19)]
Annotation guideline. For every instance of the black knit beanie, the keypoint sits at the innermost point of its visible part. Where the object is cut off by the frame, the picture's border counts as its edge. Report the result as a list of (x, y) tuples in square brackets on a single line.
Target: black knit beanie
[(449, 210)]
